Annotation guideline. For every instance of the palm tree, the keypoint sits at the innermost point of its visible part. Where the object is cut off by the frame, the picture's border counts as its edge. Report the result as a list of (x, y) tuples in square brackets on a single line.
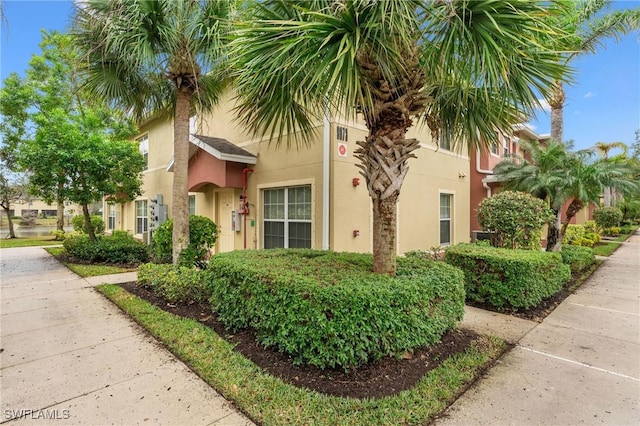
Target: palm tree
[(587, 179), (589, 26), (467, 67), (151, 56), (603, 148), (543, 173)]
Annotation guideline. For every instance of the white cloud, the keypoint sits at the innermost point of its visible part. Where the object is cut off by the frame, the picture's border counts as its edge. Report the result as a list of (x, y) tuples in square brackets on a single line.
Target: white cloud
[(544, 105), (589, 95)]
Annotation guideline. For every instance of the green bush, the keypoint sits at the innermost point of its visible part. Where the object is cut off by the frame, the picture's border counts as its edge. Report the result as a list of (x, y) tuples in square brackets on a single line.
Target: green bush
[(177, 284), (329, 309), (606, 217), (578, 258), (614, 231), (574, 235), (515, 219), (202, 237), (96, 222), (508, 278), (590, 226), (121, 249)]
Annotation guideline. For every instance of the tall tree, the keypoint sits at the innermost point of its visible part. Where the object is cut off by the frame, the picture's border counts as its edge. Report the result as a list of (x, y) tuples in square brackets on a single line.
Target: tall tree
[(603, 149), (467, 67), (543, 173), (589, 24), (12, 192), (151, 56)]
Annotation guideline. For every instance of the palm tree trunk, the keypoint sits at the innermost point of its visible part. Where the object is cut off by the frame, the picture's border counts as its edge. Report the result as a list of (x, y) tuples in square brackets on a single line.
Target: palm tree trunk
[(573, 209), (557, 110), (554, 242), (384, 166), (180, 197)]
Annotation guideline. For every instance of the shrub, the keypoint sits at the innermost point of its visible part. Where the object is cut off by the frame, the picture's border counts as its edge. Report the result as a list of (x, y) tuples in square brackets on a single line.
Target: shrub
[(515, 219), (329, 309), (202, 236), (578, 258), (574, 235), (590, 226), (96, 222), (606, 217), (121, 249), (503, 277), (614, 231), (177, 284)]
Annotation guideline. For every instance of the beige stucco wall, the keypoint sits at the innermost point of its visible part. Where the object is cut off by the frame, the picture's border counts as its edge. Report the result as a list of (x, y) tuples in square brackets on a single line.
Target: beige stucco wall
[(430, 174)]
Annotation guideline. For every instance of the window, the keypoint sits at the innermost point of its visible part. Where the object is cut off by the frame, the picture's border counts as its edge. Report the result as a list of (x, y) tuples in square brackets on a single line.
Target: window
[(341, 133), (192, 205), (111, 219), (445, 219), (287, 217), (505, 152), (142, 217), (143, 146), (445, 140)]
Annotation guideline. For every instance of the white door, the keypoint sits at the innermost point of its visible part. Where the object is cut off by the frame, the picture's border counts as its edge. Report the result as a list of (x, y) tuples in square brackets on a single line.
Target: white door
[(226, 236)]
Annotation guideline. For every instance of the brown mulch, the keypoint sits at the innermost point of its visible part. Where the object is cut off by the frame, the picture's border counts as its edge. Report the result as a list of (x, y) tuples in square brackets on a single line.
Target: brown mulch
[(385, 377)]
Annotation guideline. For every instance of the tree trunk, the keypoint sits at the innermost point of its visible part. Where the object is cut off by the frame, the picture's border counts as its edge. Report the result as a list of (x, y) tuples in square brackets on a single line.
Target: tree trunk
[(180, 196), (384, 235), (384, 166), (12, 232), (87, 223), (557, 109), (554, 242), (573, 209), (60, 213), (607, 196)]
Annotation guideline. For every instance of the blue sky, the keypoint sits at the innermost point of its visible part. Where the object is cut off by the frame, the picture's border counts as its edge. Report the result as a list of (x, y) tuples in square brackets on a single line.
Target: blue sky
[(602, 106)]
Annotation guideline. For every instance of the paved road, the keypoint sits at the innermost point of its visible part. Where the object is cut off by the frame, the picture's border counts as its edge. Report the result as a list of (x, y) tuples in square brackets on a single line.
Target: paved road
[(581, 365), (71, 357)]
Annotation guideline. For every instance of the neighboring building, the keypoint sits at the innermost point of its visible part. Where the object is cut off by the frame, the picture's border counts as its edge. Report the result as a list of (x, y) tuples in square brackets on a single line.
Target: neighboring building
[(40, 208), (311, 196), (483, 183)]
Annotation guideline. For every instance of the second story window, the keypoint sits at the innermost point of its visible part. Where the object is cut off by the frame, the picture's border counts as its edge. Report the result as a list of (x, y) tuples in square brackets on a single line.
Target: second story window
[(445, 140), (143, 146)]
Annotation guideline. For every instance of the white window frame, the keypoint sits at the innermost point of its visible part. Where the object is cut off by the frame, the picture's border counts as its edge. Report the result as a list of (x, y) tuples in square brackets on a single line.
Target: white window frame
[(143, 147), (192, 212), (111, 216), (144, 218), (442, 219), (286, 220)]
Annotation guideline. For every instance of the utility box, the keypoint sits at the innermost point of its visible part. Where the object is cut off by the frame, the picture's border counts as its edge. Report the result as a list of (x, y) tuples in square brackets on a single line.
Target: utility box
[(235, 221)]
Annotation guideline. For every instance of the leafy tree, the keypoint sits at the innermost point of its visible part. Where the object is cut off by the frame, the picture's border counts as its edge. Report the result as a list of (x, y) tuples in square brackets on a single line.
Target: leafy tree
[(606, 217), (588, 23), (78, 150), (465, 67), (515, 219), (152, 56), (11, 192)]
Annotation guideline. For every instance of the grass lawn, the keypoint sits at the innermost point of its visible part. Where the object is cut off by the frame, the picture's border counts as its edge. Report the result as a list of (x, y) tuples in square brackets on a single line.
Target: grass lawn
[(88, 270), (268, 400), (28, 242), (606, 248)]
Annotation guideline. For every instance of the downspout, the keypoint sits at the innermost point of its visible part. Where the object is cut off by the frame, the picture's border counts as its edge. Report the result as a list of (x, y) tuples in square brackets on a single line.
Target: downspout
[(486, 172), (326, 158), (244, 208)]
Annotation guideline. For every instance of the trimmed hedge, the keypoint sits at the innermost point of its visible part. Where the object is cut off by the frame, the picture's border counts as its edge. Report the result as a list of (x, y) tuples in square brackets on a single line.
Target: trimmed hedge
[(578, 258), (176, 284), (329, 309), (508, 278), (119, 248)]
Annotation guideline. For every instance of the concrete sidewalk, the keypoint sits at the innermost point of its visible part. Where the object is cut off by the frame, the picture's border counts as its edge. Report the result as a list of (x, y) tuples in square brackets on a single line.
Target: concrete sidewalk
[(581, 365), (69, 356)]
